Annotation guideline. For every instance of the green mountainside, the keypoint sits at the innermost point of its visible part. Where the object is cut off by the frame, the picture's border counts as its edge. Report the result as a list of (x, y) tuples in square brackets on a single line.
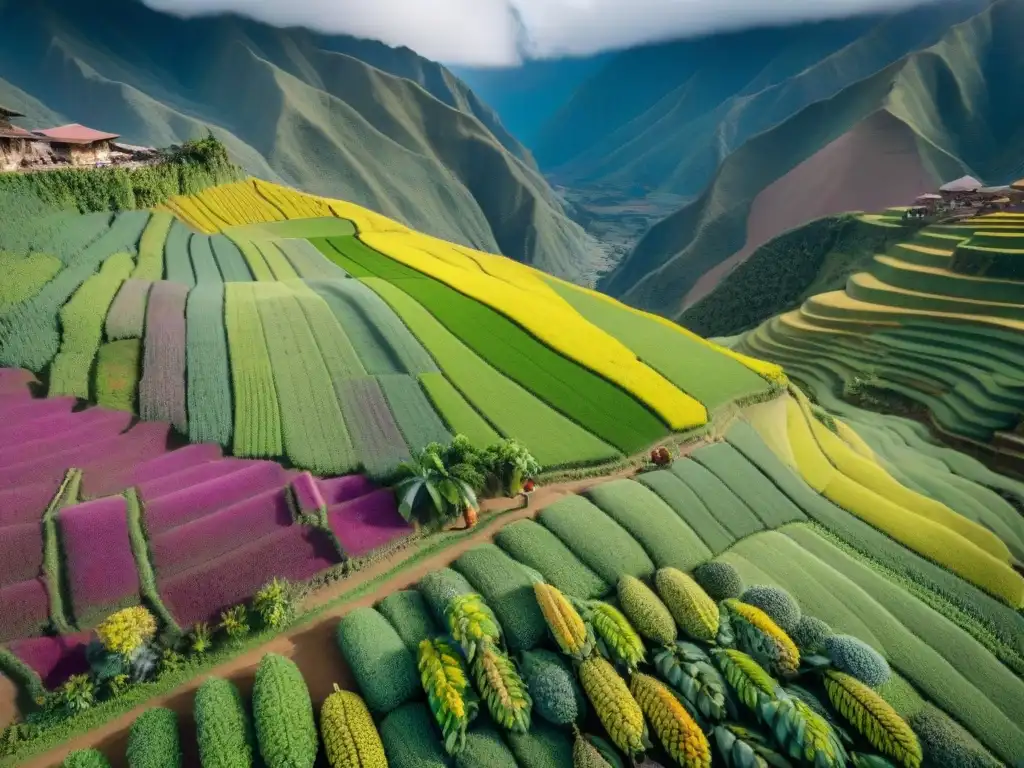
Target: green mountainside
[(332, 115), (944, 108)]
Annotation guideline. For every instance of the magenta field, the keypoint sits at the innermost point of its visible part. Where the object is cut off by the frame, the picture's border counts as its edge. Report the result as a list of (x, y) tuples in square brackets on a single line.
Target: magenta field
[(212, 529)]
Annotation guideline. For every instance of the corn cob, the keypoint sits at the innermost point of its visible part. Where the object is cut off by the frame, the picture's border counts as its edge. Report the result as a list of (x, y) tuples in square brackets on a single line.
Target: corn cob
[(678, 732), (350, 737), (759, 636), (802, 732), (692, 608), (471, 621), (443, 677), (751, 683), (876, 720), (618, 711), (619, 637), (646, 612), (743, 748), (585, 755), (573, 636), (688, 670), (502, 689)]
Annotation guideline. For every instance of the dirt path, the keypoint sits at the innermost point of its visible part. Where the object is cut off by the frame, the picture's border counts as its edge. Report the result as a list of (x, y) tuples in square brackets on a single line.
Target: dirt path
[(311, 645)]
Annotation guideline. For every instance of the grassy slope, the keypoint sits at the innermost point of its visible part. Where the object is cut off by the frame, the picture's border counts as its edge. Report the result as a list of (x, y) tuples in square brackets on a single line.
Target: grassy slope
[(974, 64), (335, 116)]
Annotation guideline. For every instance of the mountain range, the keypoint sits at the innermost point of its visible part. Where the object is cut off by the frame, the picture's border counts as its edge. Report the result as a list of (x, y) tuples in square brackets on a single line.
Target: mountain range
[(333, 115)]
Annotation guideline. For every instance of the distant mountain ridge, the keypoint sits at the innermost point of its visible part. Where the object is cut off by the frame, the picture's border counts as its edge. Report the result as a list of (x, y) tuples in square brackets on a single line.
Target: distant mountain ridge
[(333, 115)]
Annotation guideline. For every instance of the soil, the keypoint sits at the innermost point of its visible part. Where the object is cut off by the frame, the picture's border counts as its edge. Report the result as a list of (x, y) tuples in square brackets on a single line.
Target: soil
[(311, 646)]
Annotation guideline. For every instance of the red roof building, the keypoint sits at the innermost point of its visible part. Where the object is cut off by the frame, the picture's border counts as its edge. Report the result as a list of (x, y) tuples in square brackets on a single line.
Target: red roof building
[(76, 134)]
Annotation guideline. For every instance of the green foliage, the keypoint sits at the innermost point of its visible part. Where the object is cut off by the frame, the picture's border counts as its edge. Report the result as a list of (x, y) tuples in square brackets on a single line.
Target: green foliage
[(802, 732), (508, 591), (153, 741), (501, 688), (117, 374), (618, 640), (235, 622), (223, 729), (85, 758), (776, 602), (382, 665), (439, 587), (200, 638), (431, 491), (24, 275), (283, 714), (445, 680), (649, 616), (556, 695), (410, 739), (534, 545), (946, 743), (741, 747), (810, 633), (543, 746), (855, 657), (719, 579), (485, 749), (689, 671), (170, 661), (208, 384), (78, 694), (409, 614), (471, 623), (746, 677), (510, 463), (759, 636), (878, 722), (274, 603)]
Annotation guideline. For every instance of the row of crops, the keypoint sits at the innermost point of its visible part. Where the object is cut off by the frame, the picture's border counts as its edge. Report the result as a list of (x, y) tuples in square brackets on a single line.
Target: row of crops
[(933, 325)]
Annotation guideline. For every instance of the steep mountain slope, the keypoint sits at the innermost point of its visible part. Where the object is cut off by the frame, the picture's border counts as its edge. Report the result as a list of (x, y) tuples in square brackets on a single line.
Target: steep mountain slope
[(333, 115), (936, 114)]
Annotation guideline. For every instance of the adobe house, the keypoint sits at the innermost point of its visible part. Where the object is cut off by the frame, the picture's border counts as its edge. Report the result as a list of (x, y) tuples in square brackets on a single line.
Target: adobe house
[(78, 145), (18, 147)]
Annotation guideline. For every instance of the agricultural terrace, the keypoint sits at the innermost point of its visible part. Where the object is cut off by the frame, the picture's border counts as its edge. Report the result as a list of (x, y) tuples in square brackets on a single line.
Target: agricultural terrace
[(780, 583), (935, 323)]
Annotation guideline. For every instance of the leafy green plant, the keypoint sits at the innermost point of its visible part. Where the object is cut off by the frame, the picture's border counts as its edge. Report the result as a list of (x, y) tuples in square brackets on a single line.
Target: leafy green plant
[(432, 491), (719, 579), (445, 680), (85, 758), (78, 693), (201, 638), (223, 729), (170, 661), (776, 602), (274, 603), (556, 695), (235, 622), (153, 741), (810, 633), (283, 713), (511, 463), (855, 657), (689, 671)]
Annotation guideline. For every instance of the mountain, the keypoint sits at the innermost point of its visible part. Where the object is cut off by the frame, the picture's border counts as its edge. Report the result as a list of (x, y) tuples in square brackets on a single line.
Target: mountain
[(333, 115), (939, 112)]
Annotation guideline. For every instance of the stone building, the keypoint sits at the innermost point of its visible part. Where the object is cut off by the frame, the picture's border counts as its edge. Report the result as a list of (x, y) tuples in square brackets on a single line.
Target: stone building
[(77, 145)]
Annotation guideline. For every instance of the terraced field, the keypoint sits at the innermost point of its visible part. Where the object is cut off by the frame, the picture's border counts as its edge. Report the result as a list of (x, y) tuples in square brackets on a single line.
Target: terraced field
[(801, 583)]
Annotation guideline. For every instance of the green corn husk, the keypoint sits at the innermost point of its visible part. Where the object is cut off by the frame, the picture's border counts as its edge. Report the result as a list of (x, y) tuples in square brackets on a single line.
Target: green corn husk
[(444, 679), (502, 689), (688, 670), (471, 622), (621, 641), (746, 677), (802, 733), (743, 748)]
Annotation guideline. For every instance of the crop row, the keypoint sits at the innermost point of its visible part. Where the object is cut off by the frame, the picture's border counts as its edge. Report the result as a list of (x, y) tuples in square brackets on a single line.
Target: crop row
[(210, 410), (162, 387)]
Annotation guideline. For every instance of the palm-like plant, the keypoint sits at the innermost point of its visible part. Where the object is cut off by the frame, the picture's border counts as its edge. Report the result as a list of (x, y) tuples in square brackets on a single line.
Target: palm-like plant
[(432, 490)]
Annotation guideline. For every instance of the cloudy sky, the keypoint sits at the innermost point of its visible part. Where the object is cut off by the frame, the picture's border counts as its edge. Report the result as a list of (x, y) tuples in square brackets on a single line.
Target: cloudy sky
[(498, 32)]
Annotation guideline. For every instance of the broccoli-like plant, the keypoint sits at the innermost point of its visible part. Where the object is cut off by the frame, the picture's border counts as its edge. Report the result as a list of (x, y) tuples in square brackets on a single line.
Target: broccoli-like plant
[(720, 580), (944, 742), (858, 659), (810, 633), (153, 741), (776, 602)]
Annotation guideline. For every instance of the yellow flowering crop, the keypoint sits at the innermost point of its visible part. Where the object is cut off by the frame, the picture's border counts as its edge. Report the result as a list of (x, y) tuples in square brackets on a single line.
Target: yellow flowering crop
[(125, 631)]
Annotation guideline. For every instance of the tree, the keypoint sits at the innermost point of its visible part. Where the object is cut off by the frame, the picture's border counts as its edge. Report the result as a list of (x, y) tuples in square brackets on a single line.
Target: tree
[(431, 490)]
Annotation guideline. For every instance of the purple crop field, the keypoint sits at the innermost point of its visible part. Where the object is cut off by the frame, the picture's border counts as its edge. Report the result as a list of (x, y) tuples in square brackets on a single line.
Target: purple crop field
[(15, 381), (92, 426), (25, 503), (54, 659), (338, 489), (307, 494), (25, 607), (150, 490), (17, 417), (367, 523), (98, 557), (162, 388), (174, 462), (216, 535), (197, 501), (21, 552), (199, 594), (127, 314)]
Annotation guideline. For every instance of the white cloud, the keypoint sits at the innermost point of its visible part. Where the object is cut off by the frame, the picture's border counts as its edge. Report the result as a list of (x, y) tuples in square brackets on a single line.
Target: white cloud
[(498, 32)]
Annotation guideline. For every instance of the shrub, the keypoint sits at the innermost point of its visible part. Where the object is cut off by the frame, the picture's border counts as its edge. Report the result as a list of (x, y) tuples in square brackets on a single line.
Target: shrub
[(283, 713), (223, 729), (810, 632), (126, 631), (381, 663), (694, 612), (78, 693), (350, 737), (153, 741), (200, 639), (410, 615), (410, 740), (720, 580), (946, 743), (485, 749), (471, 623), (645, 611), (556, 695), (273, 603), (543, 746), (776, 602), (439, 587), (85, 758), (855, 657), (235, 622)]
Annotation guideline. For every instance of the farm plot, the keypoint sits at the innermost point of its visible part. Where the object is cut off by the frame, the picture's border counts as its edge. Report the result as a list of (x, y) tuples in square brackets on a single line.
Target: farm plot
[(382, 341), (209, 377), (367, 523), (552, 438), (416, 417), (409, 614), (229, 260), (29, 336), (731, 512), (255, 263), (291, 203), (177, 259), (865, 287), (127, 316), (685, 503), (378, 441), (117, 374), (257, 414), (162, 388), (203, 264), (668, 540), (63, 235), (335, 346), (150, 265), (307, 261), (25, 607), (586, 398), (313, 428), (25, 275), (279, 266), (82, 327), (534, 545), (459, 416), (938, 280)]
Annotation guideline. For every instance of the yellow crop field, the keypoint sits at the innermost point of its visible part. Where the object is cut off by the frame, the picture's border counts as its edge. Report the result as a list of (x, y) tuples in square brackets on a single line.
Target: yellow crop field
[(841, 301)]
